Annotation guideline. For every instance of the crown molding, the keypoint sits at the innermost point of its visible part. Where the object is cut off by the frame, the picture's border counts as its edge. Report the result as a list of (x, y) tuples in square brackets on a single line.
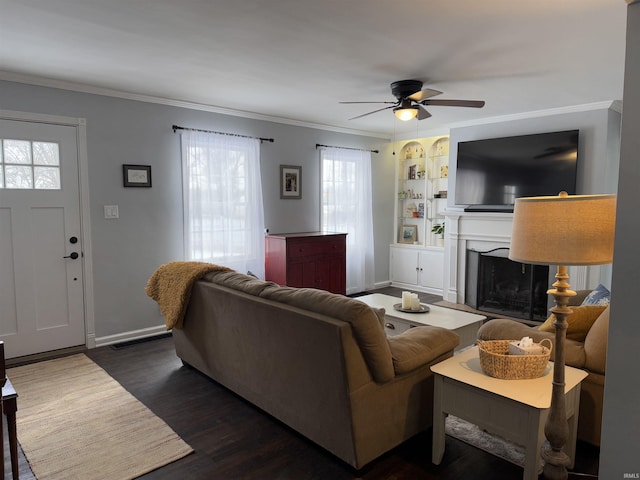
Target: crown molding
[(615, 105), (93, 90)]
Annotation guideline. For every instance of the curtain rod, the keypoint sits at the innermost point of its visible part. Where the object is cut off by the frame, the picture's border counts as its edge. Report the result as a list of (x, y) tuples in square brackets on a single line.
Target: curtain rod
[(176, 127), (348, 148)]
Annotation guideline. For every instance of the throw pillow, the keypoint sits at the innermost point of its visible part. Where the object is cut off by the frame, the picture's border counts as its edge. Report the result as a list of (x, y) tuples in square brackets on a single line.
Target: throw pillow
[(600, 296), (579, 322)]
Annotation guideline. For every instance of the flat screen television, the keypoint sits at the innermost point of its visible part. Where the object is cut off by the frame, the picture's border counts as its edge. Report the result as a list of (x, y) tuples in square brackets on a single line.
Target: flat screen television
[(492, 173)]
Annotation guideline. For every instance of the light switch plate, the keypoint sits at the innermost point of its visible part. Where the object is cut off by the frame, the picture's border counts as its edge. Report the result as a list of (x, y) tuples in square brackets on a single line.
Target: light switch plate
[(111, 211)]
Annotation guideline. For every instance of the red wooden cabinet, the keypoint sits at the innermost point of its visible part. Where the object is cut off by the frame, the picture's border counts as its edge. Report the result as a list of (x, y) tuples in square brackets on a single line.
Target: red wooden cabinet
[(313, 259)]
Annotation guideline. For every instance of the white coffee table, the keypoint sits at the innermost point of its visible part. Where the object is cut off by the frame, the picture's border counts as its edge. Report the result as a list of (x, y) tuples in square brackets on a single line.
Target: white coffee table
[(514, 409), (465, 324)]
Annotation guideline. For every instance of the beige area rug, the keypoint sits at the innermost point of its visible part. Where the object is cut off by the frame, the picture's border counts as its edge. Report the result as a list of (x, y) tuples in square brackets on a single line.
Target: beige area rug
[(76, 422)]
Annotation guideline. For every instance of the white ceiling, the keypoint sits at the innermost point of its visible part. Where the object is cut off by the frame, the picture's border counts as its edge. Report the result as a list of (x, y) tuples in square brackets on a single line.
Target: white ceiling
[(296, 59)]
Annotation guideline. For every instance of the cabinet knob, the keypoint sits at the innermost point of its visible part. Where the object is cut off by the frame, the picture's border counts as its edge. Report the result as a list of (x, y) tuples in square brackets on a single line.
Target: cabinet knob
[(390, 326)]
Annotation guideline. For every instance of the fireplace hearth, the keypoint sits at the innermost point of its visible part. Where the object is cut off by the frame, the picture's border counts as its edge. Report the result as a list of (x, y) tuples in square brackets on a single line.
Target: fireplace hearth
[(495, 284)]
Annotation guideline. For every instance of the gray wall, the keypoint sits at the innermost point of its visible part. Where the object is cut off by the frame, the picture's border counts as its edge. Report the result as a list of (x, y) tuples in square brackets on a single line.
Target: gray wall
[(148, 233), (621, 424)]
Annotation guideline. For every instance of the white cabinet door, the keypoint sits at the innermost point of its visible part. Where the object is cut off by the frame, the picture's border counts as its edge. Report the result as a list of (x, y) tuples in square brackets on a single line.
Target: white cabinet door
[(431, 269), (404, 265)]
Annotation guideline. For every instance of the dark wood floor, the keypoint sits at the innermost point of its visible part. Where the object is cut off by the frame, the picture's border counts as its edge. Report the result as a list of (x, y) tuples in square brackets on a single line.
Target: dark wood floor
[(234, 440)]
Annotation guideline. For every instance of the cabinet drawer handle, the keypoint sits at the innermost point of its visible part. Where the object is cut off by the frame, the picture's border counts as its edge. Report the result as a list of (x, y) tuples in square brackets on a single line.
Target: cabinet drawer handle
[(390, 326)]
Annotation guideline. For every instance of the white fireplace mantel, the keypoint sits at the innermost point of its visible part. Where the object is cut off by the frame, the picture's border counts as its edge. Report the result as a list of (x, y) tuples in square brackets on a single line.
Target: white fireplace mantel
[(484, 231)]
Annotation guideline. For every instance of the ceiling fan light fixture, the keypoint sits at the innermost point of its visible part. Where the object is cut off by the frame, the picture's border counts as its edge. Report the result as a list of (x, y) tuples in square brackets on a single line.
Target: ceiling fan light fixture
[(405, 114)]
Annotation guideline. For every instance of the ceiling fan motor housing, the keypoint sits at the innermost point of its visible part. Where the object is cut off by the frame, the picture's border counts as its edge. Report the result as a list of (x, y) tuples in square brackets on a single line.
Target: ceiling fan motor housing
[(403, 88)]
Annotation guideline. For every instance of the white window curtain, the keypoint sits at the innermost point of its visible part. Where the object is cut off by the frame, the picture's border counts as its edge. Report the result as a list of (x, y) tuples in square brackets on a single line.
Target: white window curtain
[(222, 196), (346, 207)]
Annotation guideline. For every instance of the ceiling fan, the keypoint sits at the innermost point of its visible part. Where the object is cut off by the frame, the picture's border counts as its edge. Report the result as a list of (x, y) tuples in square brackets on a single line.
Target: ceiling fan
[(410, 98)]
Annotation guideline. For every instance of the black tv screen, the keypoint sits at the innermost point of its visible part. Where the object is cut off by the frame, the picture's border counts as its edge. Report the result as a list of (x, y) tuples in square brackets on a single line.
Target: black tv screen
[(492, 173)]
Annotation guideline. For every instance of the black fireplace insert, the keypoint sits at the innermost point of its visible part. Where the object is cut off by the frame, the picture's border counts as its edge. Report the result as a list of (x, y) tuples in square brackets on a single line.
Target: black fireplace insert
[(495, 284)]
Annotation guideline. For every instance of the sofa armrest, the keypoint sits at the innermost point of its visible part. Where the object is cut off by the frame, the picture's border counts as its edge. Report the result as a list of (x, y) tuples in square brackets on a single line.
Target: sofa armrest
[(595, 344), (419, 346)]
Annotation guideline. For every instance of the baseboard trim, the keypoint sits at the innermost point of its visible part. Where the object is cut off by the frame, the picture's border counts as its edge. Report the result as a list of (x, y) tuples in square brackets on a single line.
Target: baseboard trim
[(129, 336)]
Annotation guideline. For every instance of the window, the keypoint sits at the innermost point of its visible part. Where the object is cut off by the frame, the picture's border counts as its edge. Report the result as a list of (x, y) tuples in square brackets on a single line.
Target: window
[(29, 165), (222, 192), (346, 208)]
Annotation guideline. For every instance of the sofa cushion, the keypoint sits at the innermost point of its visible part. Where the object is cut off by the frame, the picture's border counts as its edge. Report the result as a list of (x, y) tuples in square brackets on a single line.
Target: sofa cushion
[(366, 325), (419, 346), (578, 323), (595, 344), (599, 296)]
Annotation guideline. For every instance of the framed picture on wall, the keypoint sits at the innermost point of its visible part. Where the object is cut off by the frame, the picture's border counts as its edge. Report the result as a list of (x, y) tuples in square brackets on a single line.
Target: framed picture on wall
[(136, 175), (409, 234), (290, 182)]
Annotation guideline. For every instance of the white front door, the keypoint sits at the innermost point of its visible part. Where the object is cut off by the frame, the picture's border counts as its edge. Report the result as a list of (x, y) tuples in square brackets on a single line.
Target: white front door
[(41, 255)]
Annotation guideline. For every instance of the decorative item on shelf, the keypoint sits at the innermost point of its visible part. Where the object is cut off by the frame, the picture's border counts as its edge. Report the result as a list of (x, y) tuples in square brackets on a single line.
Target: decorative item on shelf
[(442, 194), (408, 234), (411, 209), (402, 195), (420, 210), (444, 171), (420, 174), (412, 172), (563, 230), (438, 229)]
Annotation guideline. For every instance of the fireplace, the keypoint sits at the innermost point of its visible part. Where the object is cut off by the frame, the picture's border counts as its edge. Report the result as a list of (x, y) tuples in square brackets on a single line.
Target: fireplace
[(495, 284)]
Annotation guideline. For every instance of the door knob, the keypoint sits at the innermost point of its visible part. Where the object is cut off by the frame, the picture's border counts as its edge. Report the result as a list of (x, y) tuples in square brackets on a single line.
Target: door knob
[(72, 256)]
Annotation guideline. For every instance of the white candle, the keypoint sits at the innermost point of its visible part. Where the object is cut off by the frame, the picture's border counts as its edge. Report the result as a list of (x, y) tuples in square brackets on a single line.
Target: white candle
[(406, 300), (415, 302)]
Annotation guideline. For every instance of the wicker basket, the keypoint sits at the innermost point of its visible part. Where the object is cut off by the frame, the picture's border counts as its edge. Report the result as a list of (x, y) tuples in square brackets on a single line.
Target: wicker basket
[(496, 362)]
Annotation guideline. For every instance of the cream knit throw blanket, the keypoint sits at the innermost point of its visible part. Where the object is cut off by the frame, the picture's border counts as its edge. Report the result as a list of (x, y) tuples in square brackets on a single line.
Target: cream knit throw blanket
[(170, 286)]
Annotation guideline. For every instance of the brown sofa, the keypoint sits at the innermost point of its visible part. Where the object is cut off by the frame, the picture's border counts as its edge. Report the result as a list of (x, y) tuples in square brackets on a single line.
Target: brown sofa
[(589, 355), (317, 361)]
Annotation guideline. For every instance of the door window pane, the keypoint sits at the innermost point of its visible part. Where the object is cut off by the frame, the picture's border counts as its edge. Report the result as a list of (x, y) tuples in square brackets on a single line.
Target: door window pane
[(47, 178), (45, 153), (17, 151), (18, 177), (26, 164)]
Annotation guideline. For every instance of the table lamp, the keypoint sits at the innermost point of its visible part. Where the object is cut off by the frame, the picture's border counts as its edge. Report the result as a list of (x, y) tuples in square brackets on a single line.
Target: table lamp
[(562, 230)]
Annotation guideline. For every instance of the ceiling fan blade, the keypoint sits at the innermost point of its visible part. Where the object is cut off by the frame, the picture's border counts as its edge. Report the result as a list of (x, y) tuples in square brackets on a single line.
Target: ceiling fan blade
[(454, 103), (422, 113), (424, 94), (390, 103), (375, 111)]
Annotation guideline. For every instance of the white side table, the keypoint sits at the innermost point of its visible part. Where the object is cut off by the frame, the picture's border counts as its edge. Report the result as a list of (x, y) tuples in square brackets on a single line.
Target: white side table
[(514, 409)]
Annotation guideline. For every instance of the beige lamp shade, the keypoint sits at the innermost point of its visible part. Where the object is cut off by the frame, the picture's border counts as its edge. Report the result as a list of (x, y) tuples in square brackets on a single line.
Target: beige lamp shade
[(564, 230)]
